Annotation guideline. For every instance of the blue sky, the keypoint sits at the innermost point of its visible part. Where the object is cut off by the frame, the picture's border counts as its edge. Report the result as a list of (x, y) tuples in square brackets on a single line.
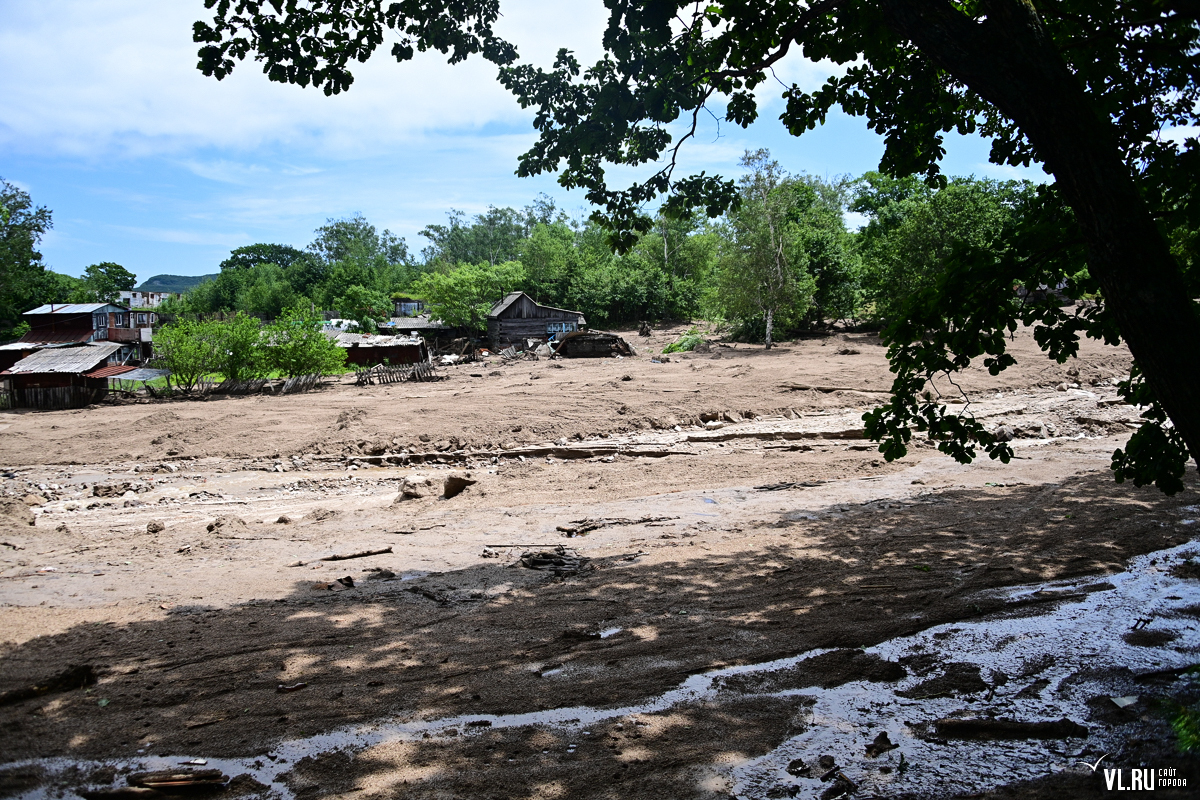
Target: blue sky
[(145, 162)]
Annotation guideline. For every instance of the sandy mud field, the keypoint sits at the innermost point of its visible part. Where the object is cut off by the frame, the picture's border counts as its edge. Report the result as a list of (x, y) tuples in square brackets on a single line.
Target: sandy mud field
[(690, 579)]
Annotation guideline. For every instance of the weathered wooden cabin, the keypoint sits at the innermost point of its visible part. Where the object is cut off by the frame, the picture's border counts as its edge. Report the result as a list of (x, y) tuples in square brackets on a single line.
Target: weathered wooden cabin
[(62, 377), (519, 317)]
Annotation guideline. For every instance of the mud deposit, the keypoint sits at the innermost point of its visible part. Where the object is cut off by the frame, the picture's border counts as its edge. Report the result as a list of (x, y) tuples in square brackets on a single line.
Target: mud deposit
[(748, 601)]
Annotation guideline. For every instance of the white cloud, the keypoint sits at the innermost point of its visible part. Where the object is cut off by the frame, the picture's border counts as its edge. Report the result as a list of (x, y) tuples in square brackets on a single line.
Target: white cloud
[(191, 237), (1180, 133), (119, 78)]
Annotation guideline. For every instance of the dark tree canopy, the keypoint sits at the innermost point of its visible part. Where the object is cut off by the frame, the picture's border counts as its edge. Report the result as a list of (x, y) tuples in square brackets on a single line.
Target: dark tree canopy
[(250, 256), (1083, 87), (104, 282), (22, 275)]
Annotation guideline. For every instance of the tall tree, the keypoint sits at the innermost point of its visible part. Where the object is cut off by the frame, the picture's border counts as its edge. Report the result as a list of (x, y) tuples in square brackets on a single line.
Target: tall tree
[(464, 295), (493, 236), (22, 226), (1084, 87), (914, 231), (104, 282), (762, 266), (353, 238)]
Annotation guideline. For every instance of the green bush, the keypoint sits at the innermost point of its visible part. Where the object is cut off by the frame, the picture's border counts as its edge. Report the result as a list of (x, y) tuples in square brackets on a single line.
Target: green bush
[(298, 346), (188, 348), (685, 343), (1186, 723), (240, 353)]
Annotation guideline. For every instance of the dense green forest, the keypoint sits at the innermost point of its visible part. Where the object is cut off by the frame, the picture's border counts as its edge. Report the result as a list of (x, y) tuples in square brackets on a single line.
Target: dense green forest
[(781, 262)]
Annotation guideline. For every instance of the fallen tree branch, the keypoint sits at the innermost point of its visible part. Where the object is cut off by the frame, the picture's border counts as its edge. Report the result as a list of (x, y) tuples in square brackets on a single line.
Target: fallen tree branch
[(579, 527), (363, 554)]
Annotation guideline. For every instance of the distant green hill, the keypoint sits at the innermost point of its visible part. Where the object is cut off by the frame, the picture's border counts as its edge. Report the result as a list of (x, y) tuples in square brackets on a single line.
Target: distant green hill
[(173, 283)]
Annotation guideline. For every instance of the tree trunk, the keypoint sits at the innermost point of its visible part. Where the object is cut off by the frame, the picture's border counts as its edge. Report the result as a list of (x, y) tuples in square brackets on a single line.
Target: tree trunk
[(1010, 61), (770, 325)]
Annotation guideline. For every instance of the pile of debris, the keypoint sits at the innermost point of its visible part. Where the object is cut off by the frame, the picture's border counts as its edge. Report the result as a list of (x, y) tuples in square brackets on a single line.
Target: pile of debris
[(592, 344), (562, 561)]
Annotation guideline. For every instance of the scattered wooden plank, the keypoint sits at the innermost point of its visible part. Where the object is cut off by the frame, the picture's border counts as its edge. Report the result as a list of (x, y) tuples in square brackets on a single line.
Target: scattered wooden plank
[(363, 554)]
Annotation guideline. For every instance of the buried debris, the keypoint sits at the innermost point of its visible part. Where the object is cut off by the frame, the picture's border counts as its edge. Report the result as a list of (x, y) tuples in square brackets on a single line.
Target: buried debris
[(880, 745), (225, 524), (779, 487), (148, 785), (65, 681), (179, 780), (295, 687), (561, 561), (593, 344), (579, 527), (988, 728)]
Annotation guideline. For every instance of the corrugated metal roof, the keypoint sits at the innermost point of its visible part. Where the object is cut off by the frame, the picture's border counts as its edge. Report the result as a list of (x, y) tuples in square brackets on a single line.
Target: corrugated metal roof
[(60, 337), (372, 340), (109, 372), (66, 359), (75, 308), (416, 324)]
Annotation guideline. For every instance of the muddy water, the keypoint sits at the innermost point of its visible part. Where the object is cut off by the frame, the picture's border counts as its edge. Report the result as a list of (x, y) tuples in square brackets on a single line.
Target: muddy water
[(1040, 662)]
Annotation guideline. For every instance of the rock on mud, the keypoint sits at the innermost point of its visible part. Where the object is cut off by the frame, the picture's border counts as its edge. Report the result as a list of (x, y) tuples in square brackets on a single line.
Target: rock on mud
[(455, 483), (225, 524), (413, 487)]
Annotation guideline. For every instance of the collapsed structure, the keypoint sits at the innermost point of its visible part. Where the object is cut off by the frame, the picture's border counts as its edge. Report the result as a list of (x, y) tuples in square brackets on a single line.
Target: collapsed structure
[(368, 349)]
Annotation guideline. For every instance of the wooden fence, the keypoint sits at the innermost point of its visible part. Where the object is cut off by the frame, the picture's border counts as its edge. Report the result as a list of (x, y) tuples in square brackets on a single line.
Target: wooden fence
[(386, 374), (49, 399), (300, 383)]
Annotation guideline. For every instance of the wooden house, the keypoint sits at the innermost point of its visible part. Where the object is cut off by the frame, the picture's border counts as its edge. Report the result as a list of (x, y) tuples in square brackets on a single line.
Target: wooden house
[(62, 377), (76, 323), (519, 317)]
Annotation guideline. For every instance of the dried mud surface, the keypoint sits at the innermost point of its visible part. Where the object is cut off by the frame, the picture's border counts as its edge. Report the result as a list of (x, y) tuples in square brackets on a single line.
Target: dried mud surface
[(773, 531)]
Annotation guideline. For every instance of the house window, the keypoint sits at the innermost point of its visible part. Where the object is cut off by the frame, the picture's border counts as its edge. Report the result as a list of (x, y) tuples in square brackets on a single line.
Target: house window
[(559, 327), (119, 320), (99, 321), (141, 320)]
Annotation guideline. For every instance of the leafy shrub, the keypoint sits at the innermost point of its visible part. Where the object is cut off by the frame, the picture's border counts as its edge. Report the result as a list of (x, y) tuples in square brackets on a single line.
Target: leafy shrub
[(685, 343)]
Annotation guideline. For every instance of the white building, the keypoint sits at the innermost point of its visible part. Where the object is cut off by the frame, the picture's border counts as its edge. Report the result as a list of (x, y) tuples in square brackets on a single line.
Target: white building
[(136, 299)]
